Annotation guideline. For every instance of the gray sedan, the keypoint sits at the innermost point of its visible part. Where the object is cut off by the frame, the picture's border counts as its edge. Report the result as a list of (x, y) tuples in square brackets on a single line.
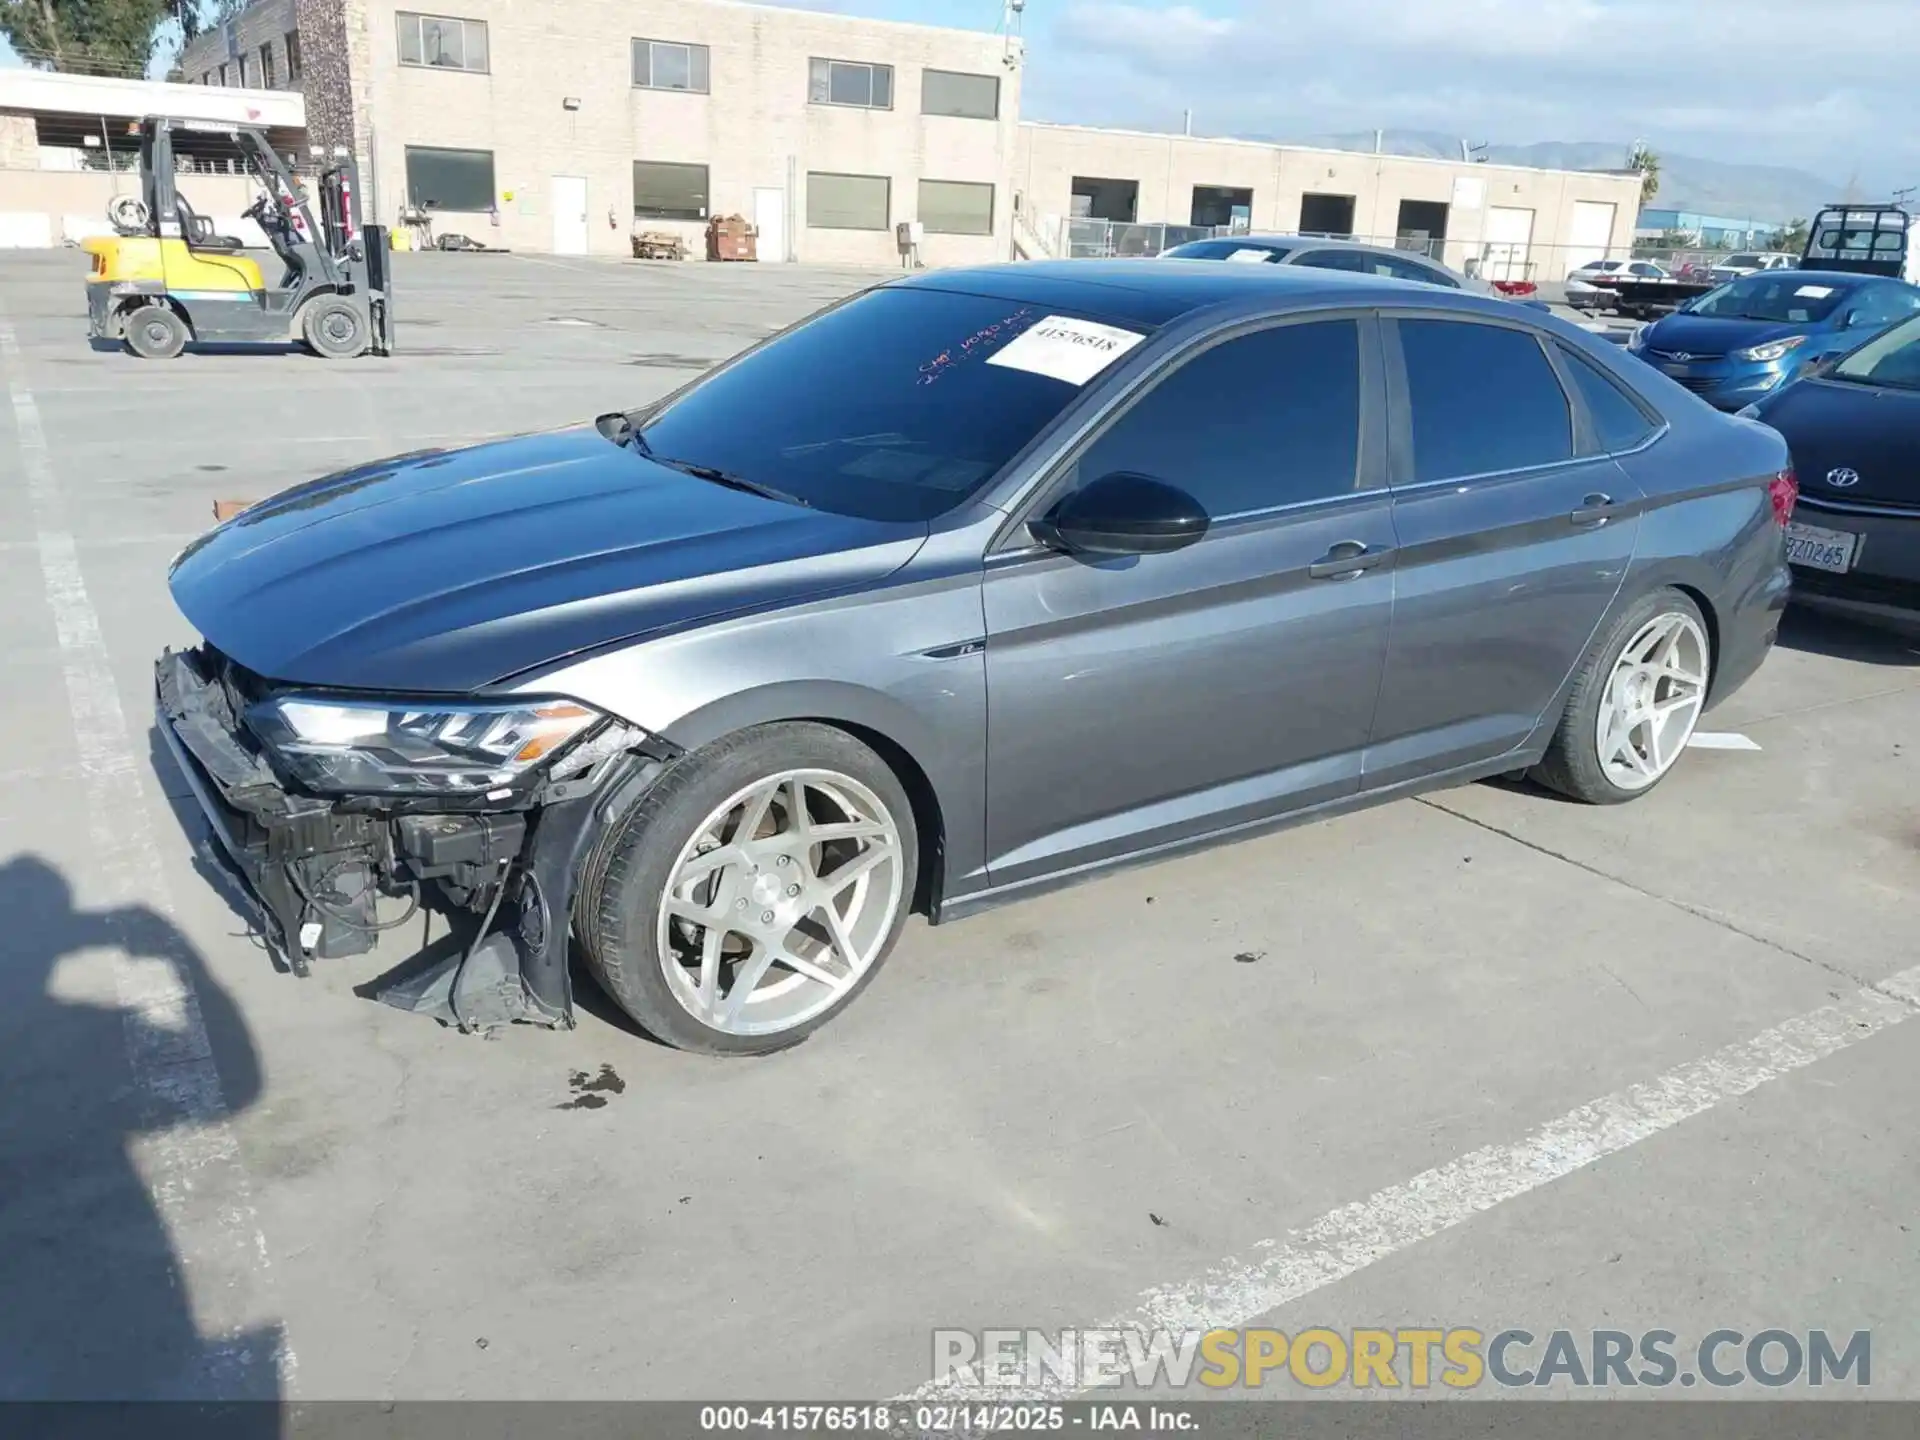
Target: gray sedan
[(976, 583)]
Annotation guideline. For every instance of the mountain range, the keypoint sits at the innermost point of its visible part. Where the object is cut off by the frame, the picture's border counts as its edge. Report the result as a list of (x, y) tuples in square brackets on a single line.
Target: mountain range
[(1766, 193)]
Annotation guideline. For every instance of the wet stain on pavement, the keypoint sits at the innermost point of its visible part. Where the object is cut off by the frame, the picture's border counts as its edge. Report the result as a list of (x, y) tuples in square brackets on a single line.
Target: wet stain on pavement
[(590, 1091)]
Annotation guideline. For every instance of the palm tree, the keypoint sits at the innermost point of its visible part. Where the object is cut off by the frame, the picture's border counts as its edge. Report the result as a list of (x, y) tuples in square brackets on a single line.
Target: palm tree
[(1648, 164)]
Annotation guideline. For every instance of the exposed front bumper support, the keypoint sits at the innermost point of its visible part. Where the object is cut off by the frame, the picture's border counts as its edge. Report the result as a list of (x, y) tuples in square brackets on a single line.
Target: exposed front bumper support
[(281, 848)]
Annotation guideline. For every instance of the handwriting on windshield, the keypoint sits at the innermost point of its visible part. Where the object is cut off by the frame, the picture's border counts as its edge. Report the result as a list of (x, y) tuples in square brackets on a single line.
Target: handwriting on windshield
[(977, 343)]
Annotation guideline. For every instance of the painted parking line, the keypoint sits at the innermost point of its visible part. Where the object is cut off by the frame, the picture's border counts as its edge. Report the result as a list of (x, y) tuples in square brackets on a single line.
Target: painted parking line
[(1347, 1240), (1720, 740), (192, 1163)]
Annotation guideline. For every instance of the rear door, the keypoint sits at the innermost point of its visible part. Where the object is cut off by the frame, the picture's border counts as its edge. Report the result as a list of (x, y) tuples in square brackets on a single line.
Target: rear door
[(1146, 700), (1515, 530)]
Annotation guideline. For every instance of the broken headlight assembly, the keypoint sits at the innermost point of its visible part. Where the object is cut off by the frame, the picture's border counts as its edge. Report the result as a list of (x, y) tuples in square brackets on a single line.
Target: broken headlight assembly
[(359, 747)]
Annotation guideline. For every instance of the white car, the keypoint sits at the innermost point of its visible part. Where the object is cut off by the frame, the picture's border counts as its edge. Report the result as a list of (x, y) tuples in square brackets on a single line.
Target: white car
[(1587, 286), (1750, 263)]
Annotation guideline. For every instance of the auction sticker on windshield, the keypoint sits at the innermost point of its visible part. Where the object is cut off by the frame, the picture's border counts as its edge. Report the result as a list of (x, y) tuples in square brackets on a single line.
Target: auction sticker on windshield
[(1063, 348), (1250, 257), (1815, 292)]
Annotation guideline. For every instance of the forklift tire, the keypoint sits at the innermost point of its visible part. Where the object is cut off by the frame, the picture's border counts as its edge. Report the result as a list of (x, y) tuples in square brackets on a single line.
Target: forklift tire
[(155, 332), (334, 329)]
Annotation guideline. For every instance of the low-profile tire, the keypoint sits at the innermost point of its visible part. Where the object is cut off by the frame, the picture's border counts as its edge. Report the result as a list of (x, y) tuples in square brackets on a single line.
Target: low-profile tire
[(708, 884), (155, 332), (1636, 699), (334, 329)]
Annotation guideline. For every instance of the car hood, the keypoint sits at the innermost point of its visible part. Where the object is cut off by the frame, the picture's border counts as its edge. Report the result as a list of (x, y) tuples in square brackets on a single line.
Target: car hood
[(1706, 335), (1831, 425), (448, 570)]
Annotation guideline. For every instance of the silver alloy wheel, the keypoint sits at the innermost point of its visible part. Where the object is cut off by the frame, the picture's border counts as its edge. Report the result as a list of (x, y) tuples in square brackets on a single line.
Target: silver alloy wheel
[(1652, 701), (781, 900)]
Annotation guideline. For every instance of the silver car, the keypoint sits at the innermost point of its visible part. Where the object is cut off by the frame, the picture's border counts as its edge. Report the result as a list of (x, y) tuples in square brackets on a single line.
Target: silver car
[(1353, 256), (976, 583)]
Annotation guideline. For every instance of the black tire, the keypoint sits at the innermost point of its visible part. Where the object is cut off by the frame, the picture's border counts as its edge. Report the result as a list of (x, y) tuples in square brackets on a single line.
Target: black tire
[(155, 332), (334, 329), (1572, 763), (622, 882)]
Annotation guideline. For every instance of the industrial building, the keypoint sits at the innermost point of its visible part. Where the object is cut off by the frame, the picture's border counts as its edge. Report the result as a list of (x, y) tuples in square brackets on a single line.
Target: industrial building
[(567, 128)]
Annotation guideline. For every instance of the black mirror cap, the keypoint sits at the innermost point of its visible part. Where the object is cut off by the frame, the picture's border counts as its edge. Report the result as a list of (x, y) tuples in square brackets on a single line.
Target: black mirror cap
[(1123, 514)]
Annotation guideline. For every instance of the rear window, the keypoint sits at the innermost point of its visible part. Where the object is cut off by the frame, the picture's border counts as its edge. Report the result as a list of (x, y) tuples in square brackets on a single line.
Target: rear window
[(1744, 262), (897, 405)]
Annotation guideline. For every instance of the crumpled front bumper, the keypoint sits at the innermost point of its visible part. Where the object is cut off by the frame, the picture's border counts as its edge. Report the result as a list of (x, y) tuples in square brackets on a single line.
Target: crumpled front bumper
[(308, 868)]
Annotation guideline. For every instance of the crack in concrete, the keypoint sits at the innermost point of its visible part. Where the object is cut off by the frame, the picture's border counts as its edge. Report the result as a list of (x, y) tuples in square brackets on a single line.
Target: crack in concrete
[(1712, 917)]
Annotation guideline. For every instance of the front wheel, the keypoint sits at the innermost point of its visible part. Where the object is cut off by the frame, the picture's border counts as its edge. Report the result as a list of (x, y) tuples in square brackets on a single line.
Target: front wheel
[(1635, 702), (333, 329), (754, 891)]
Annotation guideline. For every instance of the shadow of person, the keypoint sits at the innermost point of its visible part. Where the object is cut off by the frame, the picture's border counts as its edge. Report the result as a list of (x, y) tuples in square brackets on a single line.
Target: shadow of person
[(97, 1306)]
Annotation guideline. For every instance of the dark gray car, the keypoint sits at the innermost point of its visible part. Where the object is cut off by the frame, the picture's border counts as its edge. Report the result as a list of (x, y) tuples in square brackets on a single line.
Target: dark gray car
[(976, 583)]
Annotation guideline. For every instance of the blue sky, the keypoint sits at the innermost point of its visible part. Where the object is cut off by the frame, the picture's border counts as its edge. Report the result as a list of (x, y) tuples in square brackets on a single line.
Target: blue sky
[(1828, 88)]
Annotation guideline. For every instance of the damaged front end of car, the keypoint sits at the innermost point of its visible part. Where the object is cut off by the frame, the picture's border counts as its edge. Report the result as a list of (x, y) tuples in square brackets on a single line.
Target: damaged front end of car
[(322, 804)]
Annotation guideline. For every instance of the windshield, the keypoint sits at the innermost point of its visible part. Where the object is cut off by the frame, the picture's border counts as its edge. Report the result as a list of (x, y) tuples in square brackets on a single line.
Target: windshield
[(1744, 262), (1224, 250), (1786, 297), (897, 405), (1892, 359)]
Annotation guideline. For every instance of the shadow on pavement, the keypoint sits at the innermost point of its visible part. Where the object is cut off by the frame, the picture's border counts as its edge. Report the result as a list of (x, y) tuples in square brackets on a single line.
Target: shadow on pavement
[(96, 1303), (1818, 633)]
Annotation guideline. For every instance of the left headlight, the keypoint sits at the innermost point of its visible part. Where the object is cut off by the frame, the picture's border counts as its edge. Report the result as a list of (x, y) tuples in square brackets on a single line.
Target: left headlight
[(1772, 350), (362, 748)]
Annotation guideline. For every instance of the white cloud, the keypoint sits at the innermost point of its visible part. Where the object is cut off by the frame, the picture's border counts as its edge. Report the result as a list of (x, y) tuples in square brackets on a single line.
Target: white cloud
[(1828, 87)]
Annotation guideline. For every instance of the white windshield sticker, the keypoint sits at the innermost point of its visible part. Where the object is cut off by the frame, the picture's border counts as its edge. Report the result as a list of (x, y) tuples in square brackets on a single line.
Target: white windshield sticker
[(1815, 292), (1251, 257), (1063, 348)]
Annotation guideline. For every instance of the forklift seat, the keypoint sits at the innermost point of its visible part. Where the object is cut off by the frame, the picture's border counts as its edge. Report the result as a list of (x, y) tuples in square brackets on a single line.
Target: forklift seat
[(197, 230)]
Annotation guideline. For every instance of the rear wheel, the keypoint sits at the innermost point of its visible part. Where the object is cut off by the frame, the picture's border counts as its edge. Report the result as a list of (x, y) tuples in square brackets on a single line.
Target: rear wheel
[(754, 891), (1635, 702), (333, 329), (155, 332)]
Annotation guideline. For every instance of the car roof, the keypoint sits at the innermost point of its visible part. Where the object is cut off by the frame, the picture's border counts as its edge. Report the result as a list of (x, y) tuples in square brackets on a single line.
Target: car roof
[(1156, 290), (1153, 291)]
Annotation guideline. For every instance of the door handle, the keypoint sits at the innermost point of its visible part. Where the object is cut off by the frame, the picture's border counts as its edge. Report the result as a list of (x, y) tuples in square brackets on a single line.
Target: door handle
[(1594, 511), (1348, 560)]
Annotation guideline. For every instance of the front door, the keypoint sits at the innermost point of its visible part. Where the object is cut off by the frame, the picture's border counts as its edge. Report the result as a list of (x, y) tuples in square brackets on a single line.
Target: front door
[(569, 215), (1141, 701), (1512, 545), (770, 219)]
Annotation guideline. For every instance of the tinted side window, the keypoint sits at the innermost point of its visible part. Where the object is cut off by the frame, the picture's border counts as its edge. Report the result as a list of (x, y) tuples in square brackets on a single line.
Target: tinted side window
[(1414, 270), (1268, 419), (1484, 399), (1333, 260), (1618, 423)]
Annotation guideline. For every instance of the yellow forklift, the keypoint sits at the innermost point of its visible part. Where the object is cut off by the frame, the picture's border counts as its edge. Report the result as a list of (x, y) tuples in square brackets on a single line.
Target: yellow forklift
[(166, 280)]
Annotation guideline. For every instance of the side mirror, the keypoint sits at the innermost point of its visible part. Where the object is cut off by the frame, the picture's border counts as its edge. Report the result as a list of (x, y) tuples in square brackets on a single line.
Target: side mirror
[(1122, 514)]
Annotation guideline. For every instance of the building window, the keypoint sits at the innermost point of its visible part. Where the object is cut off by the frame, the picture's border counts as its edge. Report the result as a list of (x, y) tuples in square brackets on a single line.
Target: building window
[(948, 92), (449, 179), (956, 207), (223, 75), (669, 65), (849, 202), (1222, 207), (849, 82), (266, 65), (293, 56), (243, 71), (663, 190), (438, 42)]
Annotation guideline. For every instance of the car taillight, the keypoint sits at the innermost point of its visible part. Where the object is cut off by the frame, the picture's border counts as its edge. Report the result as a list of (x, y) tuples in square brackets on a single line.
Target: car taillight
[(1783, 490)]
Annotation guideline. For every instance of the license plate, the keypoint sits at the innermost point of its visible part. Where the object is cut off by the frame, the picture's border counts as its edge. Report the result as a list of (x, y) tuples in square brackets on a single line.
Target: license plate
[(1820, 549)]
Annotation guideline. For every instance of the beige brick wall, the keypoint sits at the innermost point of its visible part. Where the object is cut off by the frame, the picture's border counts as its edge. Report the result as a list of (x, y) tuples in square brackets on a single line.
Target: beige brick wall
[(1167, 167), (265, 22), (19, 141), (752, 125)]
